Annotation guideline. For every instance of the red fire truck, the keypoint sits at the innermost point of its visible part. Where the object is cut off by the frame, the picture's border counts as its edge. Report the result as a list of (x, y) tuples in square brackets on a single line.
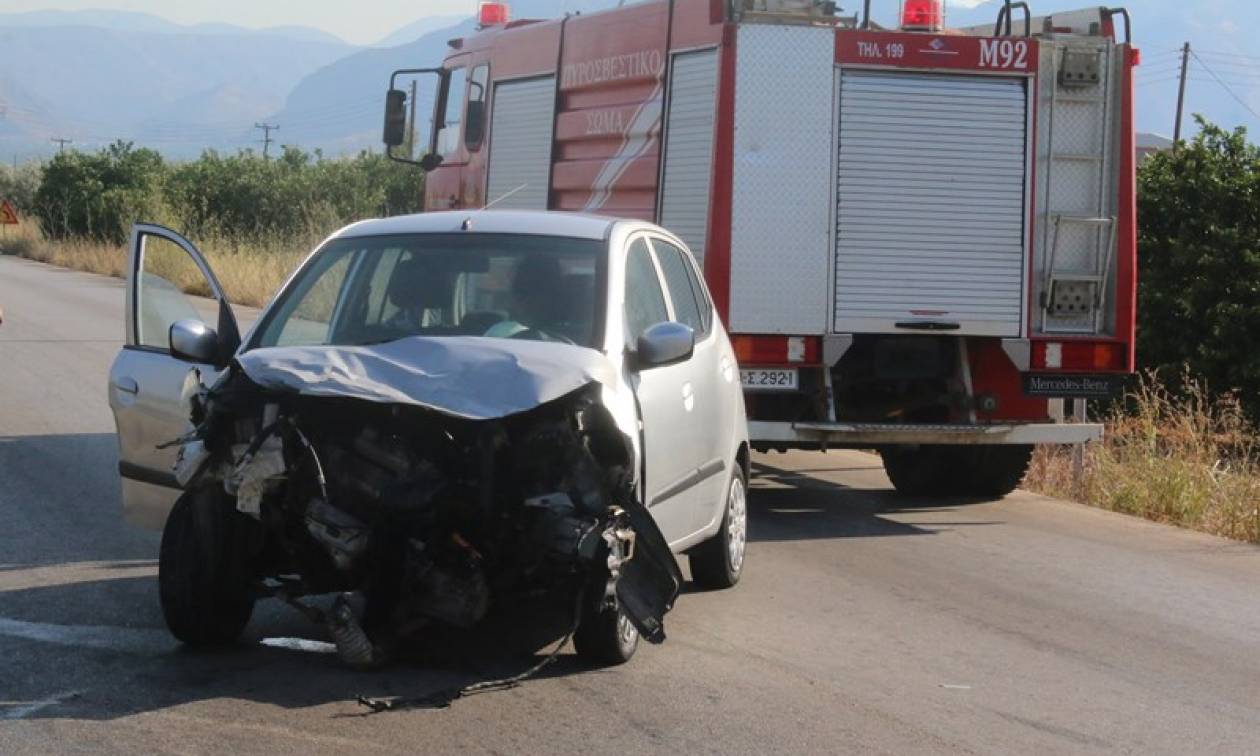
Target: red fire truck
[(922, 239)]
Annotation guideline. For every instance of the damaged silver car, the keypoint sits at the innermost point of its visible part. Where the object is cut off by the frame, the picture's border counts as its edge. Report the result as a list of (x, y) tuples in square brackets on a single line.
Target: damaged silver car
[(435, 413)]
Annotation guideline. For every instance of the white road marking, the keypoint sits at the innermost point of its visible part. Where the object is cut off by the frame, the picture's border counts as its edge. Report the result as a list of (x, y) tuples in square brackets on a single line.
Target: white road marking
[(23, 709), (105, 637)]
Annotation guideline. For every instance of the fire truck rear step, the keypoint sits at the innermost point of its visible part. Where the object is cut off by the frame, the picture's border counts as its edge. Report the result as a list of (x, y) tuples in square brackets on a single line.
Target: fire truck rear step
[(882, 434)]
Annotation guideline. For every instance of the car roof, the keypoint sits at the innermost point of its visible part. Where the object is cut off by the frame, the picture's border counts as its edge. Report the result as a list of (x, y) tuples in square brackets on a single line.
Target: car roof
[(532, 222)]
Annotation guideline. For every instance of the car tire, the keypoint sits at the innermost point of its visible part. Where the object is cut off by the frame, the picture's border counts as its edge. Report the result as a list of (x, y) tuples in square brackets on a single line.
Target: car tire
[(718, 562), (203, 584), (606, 638)]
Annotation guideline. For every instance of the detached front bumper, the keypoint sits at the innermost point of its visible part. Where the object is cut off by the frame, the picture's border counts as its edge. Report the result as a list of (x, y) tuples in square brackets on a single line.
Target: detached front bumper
[(770, 434)]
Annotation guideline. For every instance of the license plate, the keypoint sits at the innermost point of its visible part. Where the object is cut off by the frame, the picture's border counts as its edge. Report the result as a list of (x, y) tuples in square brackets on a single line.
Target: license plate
[(760, 379)]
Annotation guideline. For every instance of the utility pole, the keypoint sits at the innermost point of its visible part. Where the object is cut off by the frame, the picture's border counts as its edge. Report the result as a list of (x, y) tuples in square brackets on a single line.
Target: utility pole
[(267, 128), (61, 143), (411, 141), (1181, 93)]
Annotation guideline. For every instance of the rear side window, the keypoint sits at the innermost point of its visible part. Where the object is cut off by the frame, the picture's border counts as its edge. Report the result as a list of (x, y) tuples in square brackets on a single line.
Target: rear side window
[(645, 302), (690, 306)]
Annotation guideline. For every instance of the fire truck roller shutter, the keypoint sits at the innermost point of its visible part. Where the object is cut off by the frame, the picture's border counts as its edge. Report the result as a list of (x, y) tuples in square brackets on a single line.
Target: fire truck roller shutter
[(689, 148), (521, 124), (931, 208)]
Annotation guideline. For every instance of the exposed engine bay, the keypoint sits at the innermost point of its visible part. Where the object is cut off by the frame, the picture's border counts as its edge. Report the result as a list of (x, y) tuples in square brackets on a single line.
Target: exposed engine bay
[(419, 518)]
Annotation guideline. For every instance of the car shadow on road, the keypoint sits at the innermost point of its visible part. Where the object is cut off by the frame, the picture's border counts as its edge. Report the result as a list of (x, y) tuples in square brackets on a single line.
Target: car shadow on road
[(790, 505), (125, 662)]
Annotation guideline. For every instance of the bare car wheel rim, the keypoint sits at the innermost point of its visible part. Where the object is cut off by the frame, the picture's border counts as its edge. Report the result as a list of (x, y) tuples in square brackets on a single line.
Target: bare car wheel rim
[(625, 630), (736, 524)]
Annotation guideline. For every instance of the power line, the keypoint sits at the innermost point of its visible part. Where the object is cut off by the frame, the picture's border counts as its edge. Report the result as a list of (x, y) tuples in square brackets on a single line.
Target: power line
[(267, 128), (61, 143), (1224, 86), (1220, 54)]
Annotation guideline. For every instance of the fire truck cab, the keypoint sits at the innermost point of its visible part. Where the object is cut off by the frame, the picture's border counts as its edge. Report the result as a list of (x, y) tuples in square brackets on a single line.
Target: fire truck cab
[(921, 239)]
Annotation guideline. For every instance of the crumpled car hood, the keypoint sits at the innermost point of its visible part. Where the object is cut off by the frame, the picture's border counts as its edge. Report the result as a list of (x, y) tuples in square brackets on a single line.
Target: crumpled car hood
[(471, 377)]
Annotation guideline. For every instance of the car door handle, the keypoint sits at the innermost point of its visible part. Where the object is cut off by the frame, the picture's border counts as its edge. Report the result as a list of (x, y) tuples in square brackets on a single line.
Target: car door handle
[(127, 385)]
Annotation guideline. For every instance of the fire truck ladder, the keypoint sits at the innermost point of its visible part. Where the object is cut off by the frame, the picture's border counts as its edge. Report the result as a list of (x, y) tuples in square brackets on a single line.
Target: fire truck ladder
[(1082, 234)]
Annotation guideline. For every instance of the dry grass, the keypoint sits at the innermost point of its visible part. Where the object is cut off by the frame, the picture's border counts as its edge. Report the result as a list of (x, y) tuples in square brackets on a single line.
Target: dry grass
[(249, 273), (1186, 459)]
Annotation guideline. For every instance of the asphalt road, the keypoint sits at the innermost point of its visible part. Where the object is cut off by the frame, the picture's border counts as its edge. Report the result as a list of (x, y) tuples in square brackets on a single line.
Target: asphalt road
[(861, 625)]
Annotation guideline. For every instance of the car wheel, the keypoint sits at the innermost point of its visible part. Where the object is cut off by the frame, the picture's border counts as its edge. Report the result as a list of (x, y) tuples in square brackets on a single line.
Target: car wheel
[(606, 638), (203, 585), (719, 561)]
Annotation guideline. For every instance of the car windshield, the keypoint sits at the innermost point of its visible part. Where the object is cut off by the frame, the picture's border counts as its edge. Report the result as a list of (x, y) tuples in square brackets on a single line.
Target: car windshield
[(369, 290)]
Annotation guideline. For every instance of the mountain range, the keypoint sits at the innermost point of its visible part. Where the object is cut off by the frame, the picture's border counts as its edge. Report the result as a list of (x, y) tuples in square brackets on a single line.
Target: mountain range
[(95, 76)]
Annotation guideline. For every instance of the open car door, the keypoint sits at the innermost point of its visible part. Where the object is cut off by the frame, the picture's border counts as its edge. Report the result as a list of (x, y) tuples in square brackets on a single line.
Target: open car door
[(149, 387)]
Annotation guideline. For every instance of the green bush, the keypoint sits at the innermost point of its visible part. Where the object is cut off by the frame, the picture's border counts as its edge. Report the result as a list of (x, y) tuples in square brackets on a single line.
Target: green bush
[(1199, 262), (98, 196), (244, 197)]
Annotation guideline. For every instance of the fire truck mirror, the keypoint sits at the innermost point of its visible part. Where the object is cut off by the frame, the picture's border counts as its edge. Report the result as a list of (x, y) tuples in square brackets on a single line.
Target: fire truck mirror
[(409, 109), (395, 118)]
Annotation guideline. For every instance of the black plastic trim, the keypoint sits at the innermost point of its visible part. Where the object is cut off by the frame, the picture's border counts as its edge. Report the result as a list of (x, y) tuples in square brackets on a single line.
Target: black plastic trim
[(132, 471)]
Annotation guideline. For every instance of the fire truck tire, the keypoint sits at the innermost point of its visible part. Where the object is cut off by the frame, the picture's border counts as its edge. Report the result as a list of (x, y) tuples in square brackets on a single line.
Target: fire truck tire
[(922, 471), (993, 471), (206, 595)]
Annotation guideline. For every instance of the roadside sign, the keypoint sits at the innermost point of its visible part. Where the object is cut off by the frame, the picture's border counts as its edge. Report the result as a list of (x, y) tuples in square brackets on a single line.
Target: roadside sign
[(8, 216)]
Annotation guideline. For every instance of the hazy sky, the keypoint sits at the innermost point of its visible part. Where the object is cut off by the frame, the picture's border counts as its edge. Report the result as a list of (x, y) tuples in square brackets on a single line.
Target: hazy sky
[(361, 22)]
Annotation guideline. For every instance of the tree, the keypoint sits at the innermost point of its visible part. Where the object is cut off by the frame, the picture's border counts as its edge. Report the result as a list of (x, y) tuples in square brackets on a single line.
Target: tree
[(1199, 260), (19, 184)]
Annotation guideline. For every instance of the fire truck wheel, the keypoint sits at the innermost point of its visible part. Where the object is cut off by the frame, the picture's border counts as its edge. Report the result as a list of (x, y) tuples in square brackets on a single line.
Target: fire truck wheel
[(993, 471), (921, 471), (203, 587)]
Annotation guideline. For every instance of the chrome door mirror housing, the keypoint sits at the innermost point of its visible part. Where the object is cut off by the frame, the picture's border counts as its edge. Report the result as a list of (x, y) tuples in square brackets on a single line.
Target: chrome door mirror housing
[(194, 341), (665, 343)]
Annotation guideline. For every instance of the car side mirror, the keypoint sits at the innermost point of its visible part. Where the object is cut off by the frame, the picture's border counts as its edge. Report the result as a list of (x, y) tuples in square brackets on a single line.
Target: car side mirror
[(194, 341), (665, 344)]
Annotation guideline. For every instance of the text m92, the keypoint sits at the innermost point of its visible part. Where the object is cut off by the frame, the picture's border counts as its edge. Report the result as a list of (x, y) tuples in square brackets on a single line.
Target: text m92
[(1004, 53)]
